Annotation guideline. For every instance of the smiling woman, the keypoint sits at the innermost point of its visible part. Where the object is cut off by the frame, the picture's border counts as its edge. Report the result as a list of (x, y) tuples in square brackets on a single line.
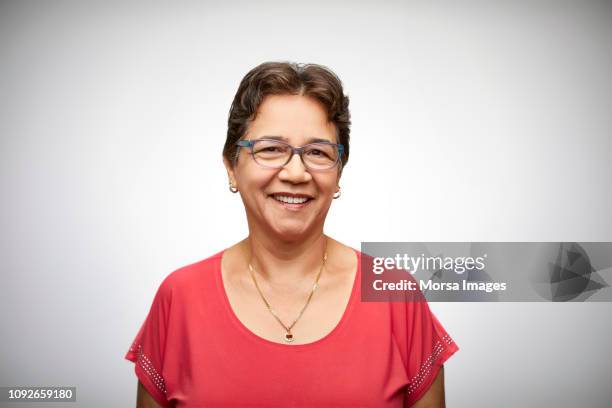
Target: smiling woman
[(276, 319)]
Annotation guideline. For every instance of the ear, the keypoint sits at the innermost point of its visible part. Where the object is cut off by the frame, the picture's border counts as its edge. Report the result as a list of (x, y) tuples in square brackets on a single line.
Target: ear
[(231, 174)]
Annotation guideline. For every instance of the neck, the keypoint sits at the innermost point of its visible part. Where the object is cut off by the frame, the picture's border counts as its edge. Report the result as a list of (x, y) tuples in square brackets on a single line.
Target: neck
[(284, 263)]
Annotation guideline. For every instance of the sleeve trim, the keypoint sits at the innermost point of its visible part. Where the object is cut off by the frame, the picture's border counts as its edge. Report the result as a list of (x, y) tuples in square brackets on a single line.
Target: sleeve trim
[(443, 349), (146, 367)]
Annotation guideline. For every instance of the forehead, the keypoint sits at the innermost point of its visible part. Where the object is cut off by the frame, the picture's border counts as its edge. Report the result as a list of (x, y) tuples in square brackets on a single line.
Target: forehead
[(295, 118)]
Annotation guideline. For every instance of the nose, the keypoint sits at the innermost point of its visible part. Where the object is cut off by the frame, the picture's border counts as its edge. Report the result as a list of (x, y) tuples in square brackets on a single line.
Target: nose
[(295, 171)]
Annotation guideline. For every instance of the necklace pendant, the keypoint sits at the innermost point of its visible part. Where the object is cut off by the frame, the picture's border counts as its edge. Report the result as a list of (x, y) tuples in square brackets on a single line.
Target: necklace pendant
[(288, 337)]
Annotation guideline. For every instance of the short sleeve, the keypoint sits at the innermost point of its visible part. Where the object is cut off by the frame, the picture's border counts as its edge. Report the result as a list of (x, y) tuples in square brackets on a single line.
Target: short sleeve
[(148, 350), (428, 348)]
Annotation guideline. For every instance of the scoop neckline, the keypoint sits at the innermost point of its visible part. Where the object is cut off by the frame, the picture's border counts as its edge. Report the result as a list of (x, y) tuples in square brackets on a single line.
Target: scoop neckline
[(255, 337)]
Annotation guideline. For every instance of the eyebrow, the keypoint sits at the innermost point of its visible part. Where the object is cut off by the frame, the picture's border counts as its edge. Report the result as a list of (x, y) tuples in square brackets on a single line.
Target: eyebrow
[(284, 139)]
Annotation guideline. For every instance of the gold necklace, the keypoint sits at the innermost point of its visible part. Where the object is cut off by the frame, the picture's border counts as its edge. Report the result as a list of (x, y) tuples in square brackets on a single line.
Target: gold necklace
[(288, 335)]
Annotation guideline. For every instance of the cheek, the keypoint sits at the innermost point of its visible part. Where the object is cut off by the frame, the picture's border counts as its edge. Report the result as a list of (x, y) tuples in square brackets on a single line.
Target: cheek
[(327, 185), (253, 178)]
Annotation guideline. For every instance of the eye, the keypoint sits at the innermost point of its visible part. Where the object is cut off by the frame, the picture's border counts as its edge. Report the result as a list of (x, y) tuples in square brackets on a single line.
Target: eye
[(271, 149), (317, 153)]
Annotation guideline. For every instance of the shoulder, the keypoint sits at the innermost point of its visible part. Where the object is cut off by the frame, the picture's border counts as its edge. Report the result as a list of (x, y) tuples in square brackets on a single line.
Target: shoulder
[(342, 256), (190, 276)]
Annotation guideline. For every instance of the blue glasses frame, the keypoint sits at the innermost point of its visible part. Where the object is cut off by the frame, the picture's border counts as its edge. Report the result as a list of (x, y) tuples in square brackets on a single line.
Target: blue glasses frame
[(294, 150)]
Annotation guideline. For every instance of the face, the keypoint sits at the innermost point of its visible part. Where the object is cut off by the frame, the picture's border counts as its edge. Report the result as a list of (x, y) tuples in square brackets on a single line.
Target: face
[(297, 119)]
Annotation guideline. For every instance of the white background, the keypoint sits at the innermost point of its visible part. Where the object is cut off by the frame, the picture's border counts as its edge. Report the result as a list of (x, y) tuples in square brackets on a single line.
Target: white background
[(485, 121)]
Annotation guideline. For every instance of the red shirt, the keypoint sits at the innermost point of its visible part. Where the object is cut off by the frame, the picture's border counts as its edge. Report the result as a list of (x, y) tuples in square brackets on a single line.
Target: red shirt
[(192, 351)]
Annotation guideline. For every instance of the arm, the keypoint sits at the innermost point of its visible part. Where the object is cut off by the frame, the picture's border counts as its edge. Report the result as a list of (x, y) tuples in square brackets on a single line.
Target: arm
[(434, 397), (144, 399)]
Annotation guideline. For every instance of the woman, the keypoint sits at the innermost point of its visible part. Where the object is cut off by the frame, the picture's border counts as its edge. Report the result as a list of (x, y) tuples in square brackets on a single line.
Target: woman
[(275, 320)]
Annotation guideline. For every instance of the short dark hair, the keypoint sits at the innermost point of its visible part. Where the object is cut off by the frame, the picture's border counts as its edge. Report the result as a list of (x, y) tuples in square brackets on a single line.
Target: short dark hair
[(278, 78)]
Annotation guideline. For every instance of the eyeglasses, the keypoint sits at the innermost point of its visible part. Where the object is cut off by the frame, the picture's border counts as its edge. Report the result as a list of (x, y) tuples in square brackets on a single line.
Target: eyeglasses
[(275, 154)]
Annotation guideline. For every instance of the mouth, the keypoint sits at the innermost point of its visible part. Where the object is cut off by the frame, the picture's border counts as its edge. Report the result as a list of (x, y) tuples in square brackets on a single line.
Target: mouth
[(291, 201)]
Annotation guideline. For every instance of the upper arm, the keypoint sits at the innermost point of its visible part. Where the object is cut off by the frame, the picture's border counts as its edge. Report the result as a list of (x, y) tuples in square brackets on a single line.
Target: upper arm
[(434, 397), (144, 399), (148, 352)]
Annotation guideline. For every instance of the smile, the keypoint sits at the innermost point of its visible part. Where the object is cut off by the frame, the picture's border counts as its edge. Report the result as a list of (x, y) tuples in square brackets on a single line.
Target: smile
[(291, 203), (290, 200)]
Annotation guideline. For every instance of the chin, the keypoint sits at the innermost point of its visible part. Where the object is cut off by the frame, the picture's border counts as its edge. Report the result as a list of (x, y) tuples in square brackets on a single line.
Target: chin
[(288, 233)]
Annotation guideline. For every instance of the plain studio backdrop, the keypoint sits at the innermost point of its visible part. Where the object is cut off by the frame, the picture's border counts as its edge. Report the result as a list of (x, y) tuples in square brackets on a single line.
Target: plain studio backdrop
[(479, 121)]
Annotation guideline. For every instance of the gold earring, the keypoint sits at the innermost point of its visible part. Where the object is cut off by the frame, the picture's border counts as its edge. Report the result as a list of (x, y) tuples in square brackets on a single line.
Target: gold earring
[(232, 188), (338, 193)]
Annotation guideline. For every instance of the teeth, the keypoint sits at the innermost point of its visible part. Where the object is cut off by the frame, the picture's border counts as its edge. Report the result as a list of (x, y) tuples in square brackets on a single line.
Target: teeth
[(290, 200)]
